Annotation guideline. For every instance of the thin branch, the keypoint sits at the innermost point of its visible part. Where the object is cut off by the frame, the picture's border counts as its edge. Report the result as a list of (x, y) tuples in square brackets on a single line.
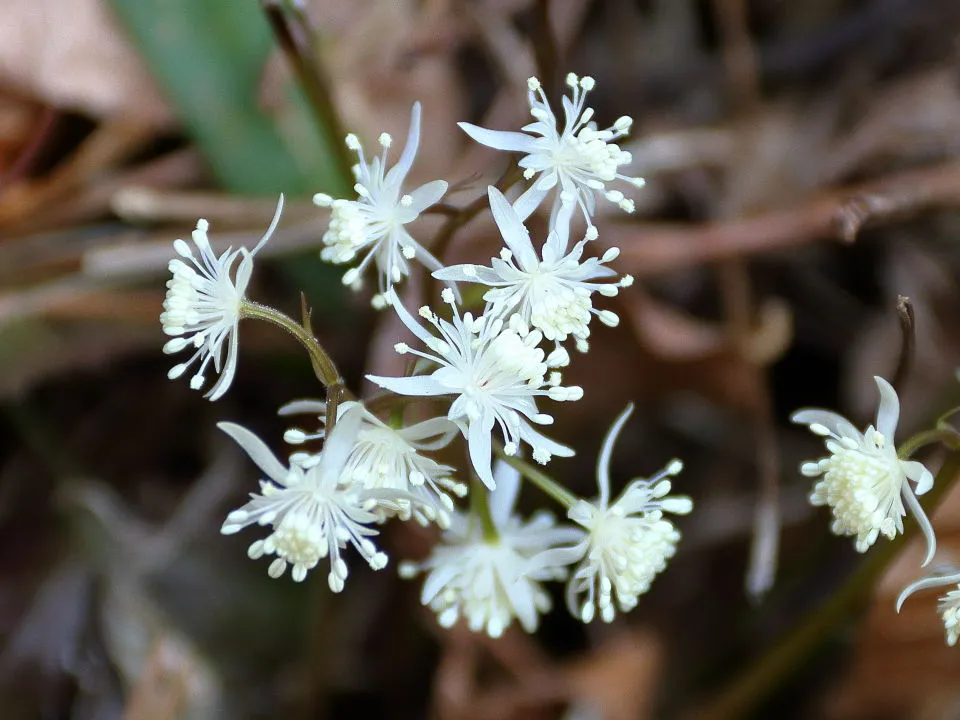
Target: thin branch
[(545, 49), (653, 248), (908, 331)]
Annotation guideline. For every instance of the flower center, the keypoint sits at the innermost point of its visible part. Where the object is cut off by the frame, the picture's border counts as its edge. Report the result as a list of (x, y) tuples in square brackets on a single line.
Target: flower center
[(299, 540), (587, 152), (347, 232)]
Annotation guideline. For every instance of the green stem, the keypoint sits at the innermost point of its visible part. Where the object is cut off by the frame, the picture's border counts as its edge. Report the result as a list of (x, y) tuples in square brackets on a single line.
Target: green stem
[(947, 436), (323, 364), (769, 671), (539, 478), (480, 508)]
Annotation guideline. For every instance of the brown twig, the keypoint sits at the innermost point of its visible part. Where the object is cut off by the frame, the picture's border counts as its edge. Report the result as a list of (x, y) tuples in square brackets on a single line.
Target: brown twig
[(908, 331), (545, 49), (456, 220), (653, 248)]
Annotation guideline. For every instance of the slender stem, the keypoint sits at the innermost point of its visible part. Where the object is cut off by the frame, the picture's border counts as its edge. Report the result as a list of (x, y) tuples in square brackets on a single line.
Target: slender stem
[(480, 507), (545, 49), (323, 364), (539, 478), (296, 35), (908, 333), (948, 436), (769, 671)]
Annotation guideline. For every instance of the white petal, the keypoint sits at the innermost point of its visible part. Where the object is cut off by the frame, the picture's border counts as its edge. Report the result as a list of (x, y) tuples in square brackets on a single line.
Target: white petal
[(418, 385), (399, 171), (514, 234), (559, 556), (835, 423), (521, 599), (529, 201), (340, 441), (922, 521), (273, 226), (888, 415), (440, 428), (559, 235), (437, 580), (918, 473), (502, 500), (427, 195), (302, 407), (606, 450), (226, 377), (257, 450), (499, 139), (478, 442), (926, 583)]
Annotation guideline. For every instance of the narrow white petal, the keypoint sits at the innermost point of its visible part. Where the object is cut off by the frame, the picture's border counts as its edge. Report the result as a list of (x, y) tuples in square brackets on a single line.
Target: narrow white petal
[(606, 450), (502, 500), (229, 370), (918, 473), (835, 423), (257, 450), (934, 581), (515, 235), (416, 385), (399, 171), (507, 140), (529, 201), (478, 442), (270, 230), (427, 194), (923, 522), (888, 415)]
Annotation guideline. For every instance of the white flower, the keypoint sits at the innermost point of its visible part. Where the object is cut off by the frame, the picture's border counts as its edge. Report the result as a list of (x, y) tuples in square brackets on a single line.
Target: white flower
[(376, 219), (313, 514), (627, 543), (390, 459), (496, 371), (949, 605), (949, 609), (580, 159), (488, 577), (203, 304), (552, 294), (863, 480)]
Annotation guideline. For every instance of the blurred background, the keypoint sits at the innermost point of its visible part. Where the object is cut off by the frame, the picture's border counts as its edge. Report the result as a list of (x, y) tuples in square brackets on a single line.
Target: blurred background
[(802, 173)]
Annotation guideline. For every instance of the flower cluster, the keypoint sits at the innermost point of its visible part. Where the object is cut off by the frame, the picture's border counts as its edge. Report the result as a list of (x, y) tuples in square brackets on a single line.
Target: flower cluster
[(388, 459), (863, 480), (493, 366), (204, 302), (579, 160), (376, 221), (495, 370), (490, 575), (314, 512), (866, 482), (550, 291), (626, 543)]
